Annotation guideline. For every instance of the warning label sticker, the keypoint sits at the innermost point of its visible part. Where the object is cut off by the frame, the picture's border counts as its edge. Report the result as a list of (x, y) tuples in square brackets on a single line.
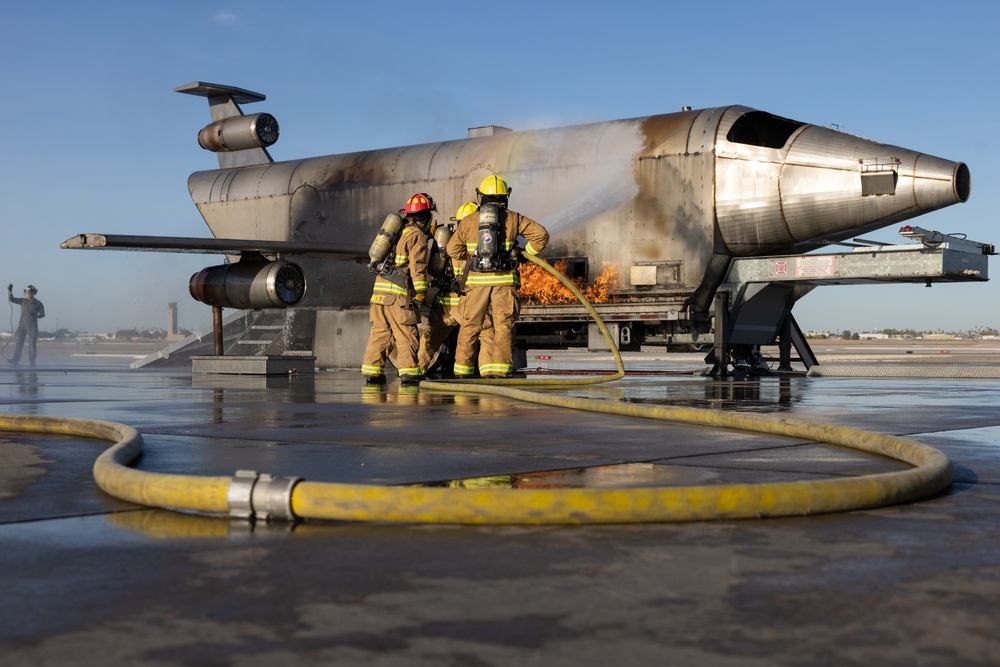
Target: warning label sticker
[(820, 266)]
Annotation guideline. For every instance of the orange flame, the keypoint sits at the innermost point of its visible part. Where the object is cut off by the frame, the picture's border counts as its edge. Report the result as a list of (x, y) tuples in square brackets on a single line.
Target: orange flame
[(538, 286)]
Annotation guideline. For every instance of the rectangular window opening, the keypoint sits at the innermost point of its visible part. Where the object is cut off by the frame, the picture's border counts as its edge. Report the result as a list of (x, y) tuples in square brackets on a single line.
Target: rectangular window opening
[(879, 177)]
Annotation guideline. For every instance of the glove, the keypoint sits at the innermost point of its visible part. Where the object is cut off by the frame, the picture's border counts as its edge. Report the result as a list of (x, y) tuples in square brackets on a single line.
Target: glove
[(420, 301)]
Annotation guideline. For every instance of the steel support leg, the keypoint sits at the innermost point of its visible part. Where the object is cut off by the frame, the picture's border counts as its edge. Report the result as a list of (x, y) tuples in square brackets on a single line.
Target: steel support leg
[(217, 329), (720, 350)]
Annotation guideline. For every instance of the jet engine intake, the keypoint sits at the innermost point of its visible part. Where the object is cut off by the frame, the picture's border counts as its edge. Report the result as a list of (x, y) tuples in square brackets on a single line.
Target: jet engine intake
[(238, 133), (248, 285)]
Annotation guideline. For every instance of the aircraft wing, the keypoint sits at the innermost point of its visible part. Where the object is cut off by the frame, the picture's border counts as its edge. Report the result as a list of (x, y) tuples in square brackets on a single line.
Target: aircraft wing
[(214, 246)]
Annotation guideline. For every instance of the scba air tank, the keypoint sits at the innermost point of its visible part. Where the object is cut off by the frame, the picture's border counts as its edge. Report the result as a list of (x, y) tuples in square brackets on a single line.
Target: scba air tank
[(488, 247), (439, 256), (386, 238)]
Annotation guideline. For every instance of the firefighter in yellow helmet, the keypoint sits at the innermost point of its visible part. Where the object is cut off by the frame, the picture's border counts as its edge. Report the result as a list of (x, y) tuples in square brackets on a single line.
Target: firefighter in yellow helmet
[(443, 317), (400, 289), (484, 251)]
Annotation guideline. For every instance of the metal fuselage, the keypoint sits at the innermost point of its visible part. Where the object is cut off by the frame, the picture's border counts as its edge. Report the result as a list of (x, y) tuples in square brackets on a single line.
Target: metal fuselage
[(666, 198)]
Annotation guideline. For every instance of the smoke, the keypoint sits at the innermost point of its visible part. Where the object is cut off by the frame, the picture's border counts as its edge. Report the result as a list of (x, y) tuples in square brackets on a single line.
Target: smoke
[(585, 175)]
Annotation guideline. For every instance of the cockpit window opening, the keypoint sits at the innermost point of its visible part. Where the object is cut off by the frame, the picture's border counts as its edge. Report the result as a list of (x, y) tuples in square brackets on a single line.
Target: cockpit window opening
[(759, 128)]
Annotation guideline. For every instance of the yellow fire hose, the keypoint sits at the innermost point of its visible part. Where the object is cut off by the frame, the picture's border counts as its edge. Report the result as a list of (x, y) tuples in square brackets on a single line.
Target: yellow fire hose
[(264, 497)]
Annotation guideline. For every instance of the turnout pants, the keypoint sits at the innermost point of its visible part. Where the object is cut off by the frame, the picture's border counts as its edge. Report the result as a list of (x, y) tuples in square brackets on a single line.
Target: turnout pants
[(441, 322), (393, 326), (496, 356)]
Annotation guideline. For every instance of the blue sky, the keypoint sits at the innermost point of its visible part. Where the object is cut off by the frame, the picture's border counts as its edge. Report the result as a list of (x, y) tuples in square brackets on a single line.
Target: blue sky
[(96, 141)]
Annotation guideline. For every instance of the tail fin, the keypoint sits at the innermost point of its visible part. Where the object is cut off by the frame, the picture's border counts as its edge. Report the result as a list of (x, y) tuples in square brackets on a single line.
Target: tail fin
[(224, 102)]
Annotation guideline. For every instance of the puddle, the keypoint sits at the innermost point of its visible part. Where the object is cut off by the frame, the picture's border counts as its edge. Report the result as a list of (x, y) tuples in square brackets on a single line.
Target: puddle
[(607, 476)]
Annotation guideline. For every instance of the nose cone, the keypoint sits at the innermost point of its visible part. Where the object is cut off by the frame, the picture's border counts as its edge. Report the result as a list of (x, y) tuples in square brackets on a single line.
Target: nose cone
[(938, 183), (823, 186), (834, 185)]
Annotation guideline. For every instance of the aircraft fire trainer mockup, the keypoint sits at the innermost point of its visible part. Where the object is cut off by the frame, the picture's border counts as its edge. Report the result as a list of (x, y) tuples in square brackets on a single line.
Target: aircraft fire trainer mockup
[(709, 218)]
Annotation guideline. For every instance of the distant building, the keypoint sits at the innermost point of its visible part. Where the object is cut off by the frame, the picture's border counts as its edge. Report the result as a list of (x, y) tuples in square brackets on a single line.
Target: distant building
[(90, 338), (173, 333)]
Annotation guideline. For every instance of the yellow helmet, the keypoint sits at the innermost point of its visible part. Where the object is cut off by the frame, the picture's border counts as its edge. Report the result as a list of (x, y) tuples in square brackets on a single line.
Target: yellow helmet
[(493, 186), (465, 209)]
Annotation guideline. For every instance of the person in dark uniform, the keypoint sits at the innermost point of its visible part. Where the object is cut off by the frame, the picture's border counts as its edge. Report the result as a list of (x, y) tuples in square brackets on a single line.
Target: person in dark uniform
[(32, 310)]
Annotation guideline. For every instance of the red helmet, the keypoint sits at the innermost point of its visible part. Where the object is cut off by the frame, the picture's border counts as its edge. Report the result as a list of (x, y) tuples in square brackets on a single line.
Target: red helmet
[(419, 202)]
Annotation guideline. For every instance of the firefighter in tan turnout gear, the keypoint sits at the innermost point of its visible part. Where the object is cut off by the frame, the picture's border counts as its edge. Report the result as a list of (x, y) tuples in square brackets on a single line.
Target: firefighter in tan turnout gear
[(484, 252), (443, 317), (399, 260)]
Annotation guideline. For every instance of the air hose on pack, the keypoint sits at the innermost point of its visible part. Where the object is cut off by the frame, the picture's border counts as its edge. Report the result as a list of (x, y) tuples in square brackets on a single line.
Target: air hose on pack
[(252, 495)]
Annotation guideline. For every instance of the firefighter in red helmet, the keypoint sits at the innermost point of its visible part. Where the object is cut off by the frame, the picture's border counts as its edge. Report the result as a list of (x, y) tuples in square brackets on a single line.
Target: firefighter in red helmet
[(400, 289), (484, 252)]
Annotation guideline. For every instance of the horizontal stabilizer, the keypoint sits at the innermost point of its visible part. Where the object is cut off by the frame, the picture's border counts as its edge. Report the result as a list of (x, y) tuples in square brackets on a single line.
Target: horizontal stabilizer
[(238, 95)]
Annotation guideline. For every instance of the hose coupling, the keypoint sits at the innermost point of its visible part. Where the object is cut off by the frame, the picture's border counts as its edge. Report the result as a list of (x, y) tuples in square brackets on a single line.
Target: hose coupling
[(261, 497)]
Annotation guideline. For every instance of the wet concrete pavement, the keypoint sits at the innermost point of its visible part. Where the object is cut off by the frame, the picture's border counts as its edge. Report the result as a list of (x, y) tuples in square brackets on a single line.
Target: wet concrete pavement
[(88, 579)]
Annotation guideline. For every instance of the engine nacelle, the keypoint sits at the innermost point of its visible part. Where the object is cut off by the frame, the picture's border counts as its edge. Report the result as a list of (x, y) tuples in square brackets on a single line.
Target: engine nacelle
[(239, 133), (249, 285)]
